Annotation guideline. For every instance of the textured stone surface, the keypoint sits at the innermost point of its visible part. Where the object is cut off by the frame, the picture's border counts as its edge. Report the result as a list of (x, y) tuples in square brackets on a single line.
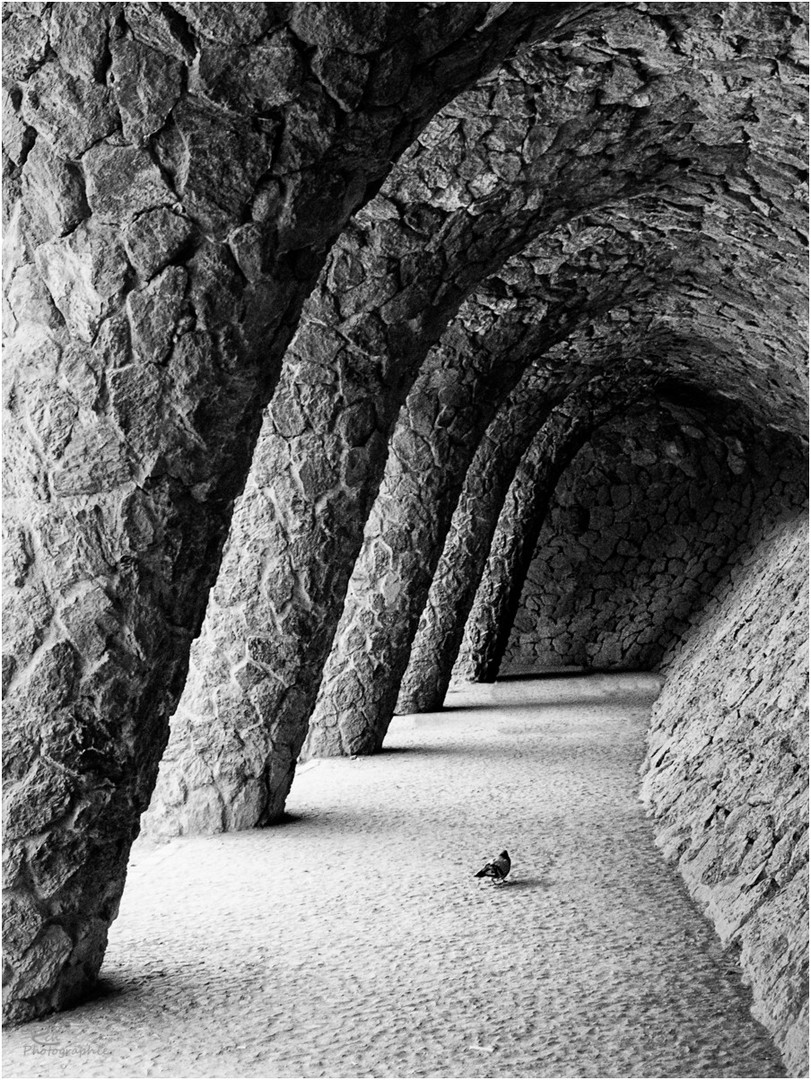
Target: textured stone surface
[(453, 590), (461, 386), (555, 132), (641, 525), (521, 517), (174, 177), (726, 776)]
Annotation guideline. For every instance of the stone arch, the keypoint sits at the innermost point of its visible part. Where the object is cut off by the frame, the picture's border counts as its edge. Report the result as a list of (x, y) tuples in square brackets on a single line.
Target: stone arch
[(423, 244), (440, 633), (492, 613), (362, 678), (464, 556), (642, 526), (174, 178), (569, 426), (464, 382), (166, 222)]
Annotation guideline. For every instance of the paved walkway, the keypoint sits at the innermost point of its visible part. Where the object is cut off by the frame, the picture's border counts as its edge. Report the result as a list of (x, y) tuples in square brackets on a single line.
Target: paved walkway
[(355, 941)]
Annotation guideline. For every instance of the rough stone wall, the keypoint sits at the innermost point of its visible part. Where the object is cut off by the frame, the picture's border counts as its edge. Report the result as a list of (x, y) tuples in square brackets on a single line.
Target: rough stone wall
[(453, 589), (640, 525), (461, 386), (174, 175), (395, 279), (522, 153), (522, 516), (726, 775)]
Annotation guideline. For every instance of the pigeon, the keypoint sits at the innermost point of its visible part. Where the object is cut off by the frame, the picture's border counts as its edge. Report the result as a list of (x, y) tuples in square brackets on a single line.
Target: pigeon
[(497, 869)]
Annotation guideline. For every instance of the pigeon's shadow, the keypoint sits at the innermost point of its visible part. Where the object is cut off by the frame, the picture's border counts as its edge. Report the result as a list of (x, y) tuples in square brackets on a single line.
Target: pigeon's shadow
[(525, 883)]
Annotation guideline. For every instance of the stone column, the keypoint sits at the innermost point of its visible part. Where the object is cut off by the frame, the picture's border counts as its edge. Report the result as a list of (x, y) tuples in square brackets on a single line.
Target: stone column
[(459, 389), (520, 521), (524, 152), (394, 280), (461, 386), (383, 300), (173, 178), (459, 570)]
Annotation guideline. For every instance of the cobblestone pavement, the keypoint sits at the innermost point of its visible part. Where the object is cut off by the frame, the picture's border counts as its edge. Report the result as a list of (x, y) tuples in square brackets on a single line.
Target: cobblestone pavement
[(355, 941)]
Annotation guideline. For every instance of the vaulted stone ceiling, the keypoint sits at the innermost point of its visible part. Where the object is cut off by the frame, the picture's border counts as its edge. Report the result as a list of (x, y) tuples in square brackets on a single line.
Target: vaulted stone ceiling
[(475, 219), (618, 237)]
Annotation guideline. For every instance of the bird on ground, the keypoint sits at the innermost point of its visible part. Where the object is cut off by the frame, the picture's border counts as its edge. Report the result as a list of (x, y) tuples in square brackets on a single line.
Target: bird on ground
[(497, 869)]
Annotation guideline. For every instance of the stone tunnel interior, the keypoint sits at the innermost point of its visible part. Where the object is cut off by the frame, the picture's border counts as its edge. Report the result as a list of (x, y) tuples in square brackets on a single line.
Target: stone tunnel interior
[(354, 351)]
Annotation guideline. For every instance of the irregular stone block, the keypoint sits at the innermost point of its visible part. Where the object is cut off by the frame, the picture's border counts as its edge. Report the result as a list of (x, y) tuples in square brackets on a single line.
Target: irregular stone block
[(233, 26), (28, 809), (70, 113), (146, 84), (155, 312), (161, 29), (30, 305), (216, 161), (264, 76), (85, 274), (94, 460), (55, 188), (22, 916), (25, 39), (122, 182), (343, 26), (342, 75), (43, 961), (155, 238), (78, 35)]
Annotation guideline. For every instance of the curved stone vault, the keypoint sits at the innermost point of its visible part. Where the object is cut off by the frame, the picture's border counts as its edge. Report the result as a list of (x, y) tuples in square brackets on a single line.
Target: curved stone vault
[(349, 342)]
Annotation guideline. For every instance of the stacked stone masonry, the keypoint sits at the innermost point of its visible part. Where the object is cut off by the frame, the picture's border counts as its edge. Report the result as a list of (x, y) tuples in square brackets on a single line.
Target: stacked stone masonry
[(522, 515), (174, 176), (531, 149), (464, 556), (281, 281), (641, 526), (726, 775), (460, 388)]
